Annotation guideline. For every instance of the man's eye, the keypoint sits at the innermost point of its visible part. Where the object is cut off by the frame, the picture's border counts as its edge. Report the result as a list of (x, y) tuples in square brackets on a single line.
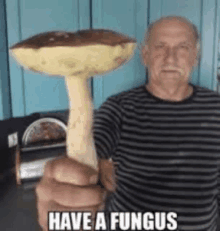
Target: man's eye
[(159, 46), (184, 47)]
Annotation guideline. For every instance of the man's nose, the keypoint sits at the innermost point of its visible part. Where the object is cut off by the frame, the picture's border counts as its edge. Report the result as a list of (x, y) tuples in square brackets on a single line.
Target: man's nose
[(170, 56)]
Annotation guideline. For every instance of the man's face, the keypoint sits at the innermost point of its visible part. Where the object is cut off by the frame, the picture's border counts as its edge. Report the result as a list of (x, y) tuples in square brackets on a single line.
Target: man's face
[(171, 53)]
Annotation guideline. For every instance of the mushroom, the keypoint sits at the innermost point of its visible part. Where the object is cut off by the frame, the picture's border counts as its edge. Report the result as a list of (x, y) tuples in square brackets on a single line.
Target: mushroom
[(77, 56)]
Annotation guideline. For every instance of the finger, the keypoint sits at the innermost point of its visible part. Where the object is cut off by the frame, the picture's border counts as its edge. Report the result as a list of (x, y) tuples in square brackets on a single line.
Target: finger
[(68, 170), (69, 195), (107, 174), (108, 184)]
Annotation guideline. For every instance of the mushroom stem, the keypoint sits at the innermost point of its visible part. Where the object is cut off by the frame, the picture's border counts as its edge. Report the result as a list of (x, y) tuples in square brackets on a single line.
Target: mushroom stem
[(80, 143)]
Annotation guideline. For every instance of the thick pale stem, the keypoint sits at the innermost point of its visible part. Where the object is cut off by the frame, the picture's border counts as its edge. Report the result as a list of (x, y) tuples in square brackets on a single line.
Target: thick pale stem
[(80, 143)]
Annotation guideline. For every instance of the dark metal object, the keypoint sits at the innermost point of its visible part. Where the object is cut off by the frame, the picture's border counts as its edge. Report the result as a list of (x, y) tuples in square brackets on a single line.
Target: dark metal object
[(42, 141), (30, 161), (44, 131)]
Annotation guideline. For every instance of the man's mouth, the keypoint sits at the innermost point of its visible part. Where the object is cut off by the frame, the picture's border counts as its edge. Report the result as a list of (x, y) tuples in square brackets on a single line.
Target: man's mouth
[(170, 68), (172, 71), (173, 74)]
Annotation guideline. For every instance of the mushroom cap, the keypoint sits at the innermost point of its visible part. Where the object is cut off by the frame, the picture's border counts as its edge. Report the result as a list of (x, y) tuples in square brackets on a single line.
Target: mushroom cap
[(78, 38), (85, 52)]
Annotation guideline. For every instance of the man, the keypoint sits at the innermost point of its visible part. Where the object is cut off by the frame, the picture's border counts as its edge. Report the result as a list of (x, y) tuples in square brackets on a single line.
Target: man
[(163, 137)]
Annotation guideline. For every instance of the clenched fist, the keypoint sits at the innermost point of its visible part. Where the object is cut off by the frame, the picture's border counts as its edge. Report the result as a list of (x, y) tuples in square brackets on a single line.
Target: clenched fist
[(68, 185)]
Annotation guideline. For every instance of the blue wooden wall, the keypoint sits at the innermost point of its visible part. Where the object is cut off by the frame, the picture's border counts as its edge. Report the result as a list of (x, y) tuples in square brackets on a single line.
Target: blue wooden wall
[(23, 92), (5, 94)]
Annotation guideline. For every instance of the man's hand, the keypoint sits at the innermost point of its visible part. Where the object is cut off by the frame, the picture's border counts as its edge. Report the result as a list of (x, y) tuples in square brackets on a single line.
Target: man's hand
[(68, 185)]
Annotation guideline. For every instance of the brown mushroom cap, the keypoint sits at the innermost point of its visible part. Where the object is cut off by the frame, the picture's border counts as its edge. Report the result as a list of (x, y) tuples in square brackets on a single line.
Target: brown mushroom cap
[(78, 38), (85, 53)]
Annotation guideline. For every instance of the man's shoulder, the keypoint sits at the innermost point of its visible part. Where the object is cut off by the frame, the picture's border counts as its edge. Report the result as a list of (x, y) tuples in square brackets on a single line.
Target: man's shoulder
[(206, 92), (139, 95)]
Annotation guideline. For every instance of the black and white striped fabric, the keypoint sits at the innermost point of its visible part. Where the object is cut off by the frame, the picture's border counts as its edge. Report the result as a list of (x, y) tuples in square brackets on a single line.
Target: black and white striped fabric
[(167, 154)]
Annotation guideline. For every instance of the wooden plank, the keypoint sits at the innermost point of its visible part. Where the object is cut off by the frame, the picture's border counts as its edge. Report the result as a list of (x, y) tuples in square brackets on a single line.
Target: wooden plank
[(16, 73), (142, 9), (124, 16), (5, 101), (84, 14), (216, 55), (97, 22), (208, 44), (218, 46), (155, 10)]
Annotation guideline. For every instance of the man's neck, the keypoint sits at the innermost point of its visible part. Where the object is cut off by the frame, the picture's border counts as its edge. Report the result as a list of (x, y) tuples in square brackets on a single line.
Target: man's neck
[(170, 94)]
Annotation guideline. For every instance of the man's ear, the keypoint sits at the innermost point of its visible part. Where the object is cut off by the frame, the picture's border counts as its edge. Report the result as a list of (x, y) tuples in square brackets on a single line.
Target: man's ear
[(145, 55), (196, 60), (196, 56)]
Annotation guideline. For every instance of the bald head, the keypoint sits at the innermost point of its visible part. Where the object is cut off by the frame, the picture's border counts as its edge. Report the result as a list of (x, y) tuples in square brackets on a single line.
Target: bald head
[(170, 52), (164, 21)]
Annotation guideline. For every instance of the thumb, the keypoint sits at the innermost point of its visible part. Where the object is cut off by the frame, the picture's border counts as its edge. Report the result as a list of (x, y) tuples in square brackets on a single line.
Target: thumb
[(107, 174)]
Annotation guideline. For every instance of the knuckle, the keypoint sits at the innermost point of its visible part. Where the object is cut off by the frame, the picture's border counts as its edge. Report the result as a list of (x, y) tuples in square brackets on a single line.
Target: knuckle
[(54, 166), (57, 167), (69, 171)]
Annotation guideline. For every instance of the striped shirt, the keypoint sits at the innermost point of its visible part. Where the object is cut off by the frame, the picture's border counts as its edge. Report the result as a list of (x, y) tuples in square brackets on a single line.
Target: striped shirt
[(167, 154)]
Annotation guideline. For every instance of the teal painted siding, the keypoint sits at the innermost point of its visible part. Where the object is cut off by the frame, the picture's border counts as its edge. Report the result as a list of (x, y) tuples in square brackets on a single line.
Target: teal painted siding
[(208, 29), (26, 92), (216, 55), (217, 45), (5, 100)]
